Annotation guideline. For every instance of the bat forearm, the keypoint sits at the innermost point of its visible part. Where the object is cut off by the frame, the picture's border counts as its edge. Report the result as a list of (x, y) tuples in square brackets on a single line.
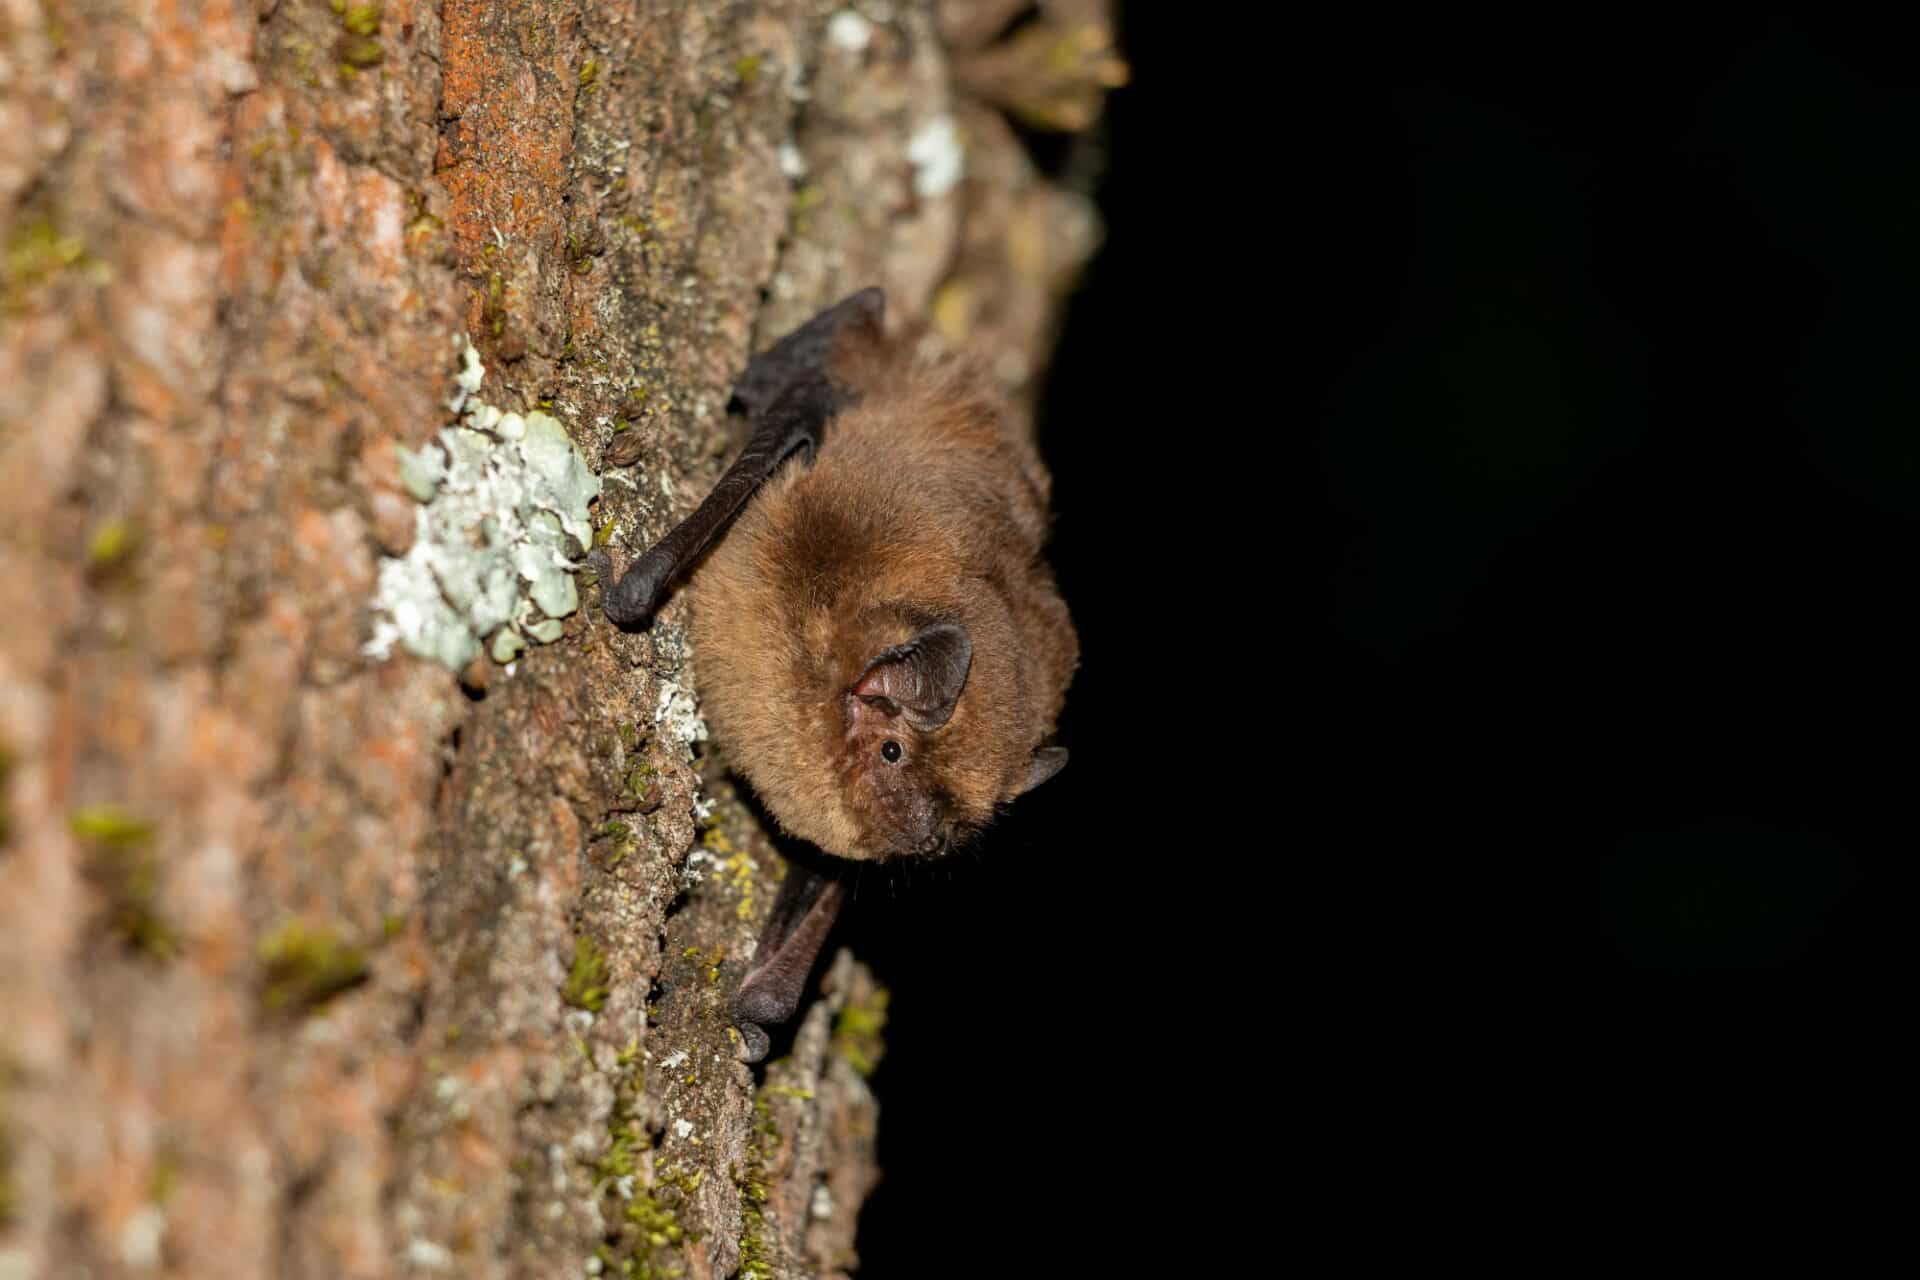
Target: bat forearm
[(789, 396), (791, 425)]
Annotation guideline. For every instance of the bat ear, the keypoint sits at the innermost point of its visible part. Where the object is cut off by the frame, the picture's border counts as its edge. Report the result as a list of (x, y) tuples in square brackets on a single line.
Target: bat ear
[(923, 677), (1046, 762)]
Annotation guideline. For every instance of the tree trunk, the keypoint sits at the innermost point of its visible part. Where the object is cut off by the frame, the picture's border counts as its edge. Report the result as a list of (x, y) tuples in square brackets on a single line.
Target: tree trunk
[(318, 962)]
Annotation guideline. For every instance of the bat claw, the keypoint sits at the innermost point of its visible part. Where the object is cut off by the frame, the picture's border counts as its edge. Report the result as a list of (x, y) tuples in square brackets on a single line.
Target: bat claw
[(753, 1041), (632, 601)]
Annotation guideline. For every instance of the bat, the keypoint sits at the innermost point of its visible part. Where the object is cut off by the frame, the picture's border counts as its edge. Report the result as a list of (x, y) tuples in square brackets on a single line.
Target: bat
[(882, 652), (882, 649)]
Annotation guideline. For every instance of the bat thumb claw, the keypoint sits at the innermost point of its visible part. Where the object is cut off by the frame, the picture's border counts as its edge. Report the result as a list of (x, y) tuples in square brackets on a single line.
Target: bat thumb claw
[(753, 1041), (630, 605)]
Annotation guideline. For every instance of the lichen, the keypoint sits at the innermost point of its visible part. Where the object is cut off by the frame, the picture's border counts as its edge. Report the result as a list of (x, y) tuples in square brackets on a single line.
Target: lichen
[(936, 155), (305, 966), (678, 714), (585, 987), (850, 31), (503, 515)]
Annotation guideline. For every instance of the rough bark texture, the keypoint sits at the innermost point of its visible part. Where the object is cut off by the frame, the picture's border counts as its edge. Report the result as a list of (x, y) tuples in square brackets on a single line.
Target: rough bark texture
[(313, 964)]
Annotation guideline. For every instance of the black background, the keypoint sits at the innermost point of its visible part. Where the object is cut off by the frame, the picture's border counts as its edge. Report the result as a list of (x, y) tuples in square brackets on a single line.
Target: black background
[(1486, 486)]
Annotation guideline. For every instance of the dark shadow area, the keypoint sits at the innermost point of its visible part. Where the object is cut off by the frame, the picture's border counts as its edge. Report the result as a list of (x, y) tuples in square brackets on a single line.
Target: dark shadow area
[(1487, 484)]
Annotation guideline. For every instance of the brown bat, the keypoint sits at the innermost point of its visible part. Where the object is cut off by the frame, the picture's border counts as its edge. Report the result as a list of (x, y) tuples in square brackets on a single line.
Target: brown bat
[(882, 651)]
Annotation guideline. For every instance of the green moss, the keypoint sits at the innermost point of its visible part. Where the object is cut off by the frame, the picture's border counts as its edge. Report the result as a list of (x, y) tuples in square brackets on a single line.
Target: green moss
[(424, 226), (790, 1091), (6, 774), (165, 1178), (747, 68), (656, 1222), (357, 53), (305, 966), (639, 778), (109, 824), (112, 544), (756, 1254), (122, 866), (37, 253), (9, 1192), (857, 1031), (647, 1222), (622, 843), (589, 74), (358, 47), (584, 987)]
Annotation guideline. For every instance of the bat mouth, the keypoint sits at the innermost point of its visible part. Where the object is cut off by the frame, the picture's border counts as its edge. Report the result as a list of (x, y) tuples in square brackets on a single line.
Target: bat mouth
[(904, 847)]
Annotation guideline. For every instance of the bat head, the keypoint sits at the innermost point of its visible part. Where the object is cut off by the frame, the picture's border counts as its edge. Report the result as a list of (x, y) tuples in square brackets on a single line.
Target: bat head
[(923, 765)]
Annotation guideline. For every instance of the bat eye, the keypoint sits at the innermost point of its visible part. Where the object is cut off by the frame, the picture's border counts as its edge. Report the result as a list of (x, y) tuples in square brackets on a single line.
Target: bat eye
[(890, 751)]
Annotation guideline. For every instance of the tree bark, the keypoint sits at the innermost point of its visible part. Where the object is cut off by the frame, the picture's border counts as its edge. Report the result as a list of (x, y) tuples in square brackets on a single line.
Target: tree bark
[(316, 963)]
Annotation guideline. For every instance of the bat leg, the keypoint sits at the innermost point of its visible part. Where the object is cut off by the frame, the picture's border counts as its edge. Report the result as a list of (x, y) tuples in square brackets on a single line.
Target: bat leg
[(790, 397), (789, 943)]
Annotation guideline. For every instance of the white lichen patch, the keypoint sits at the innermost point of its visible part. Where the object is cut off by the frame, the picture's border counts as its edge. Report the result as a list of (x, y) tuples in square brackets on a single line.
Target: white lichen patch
[(428, 1255), (141, 1237), (936, 155), (501, 493), (678, 715), (850, 31)]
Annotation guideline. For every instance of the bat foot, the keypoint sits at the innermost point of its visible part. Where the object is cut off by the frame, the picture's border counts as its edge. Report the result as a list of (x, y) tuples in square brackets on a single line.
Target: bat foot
[(753, 1041)]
